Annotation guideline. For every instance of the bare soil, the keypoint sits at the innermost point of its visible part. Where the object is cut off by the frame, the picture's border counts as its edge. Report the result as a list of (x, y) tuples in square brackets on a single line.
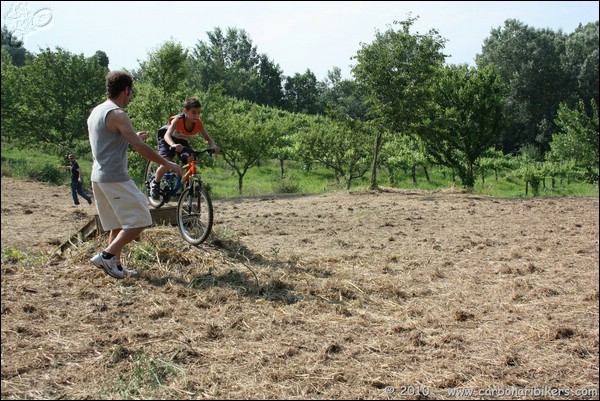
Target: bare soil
[(393, 294)]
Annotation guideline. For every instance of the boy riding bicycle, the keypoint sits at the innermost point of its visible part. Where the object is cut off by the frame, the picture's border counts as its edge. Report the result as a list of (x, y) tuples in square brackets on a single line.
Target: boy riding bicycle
[(174, 139)]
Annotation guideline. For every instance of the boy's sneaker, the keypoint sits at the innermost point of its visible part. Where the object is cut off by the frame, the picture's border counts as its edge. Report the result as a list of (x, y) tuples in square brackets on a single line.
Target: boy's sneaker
[(155, 190), (89, 201), (108, 265)]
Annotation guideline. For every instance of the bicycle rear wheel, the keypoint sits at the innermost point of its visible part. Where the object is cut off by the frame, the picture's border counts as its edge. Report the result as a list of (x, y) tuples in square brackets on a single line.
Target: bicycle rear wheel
[(195, 214), (149, 174)]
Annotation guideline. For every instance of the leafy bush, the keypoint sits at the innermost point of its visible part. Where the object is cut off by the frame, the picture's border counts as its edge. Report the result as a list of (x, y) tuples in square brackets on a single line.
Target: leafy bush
[(47, 173), (13, 168), (287, 184)]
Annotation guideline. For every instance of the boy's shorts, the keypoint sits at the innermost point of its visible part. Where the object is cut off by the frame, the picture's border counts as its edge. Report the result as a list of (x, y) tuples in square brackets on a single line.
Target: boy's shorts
[(165, 151), (121, 205)]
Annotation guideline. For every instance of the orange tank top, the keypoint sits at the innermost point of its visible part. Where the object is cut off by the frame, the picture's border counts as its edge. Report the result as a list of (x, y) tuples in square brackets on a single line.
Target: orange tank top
[(181, 132)]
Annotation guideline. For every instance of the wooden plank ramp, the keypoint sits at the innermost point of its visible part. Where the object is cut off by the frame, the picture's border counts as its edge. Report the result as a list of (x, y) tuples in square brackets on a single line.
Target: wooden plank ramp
[(93, 228)]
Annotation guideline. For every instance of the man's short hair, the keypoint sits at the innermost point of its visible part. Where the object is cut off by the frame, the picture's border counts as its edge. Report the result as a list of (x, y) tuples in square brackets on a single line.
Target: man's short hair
[(116, 82)]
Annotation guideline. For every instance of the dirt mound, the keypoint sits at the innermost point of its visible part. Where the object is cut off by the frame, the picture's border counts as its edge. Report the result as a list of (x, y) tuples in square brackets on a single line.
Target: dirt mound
[(368, 295)]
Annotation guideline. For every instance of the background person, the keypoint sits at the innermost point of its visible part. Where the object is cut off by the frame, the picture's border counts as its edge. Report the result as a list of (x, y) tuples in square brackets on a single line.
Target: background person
[(76, 181)]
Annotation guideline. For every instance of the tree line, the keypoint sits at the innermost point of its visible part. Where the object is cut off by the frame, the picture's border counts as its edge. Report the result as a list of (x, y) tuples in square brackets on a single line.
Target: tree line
[(405, 107)]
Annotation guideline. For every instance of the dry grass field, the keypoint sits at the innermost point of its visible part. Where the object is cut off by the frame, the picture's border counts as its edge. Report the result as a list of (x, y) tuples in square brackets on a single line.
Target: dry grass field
[(393, 294)]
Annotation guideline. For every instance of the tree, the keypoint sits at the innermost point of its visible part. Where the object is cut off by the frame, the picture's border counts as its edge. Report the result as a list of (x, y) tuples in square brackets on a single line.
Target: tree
[(58, 90), (467, 118), (406, 153), (580, 64), (161, 87), (577, 139), (270, 76), (343, 97), (231, 60), (101, 58), (167, 68), (342, 145), (14, 46), (529, 61), (246, 131), (301, 93), (12, 106), (397, 71), (286, 143), (347, 103)]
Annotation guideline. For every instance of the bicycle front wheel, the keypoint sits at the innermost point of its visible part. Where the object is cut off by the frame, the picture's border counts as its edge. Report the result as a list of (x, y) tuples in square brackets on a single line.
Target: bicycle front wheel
[(194, 215)]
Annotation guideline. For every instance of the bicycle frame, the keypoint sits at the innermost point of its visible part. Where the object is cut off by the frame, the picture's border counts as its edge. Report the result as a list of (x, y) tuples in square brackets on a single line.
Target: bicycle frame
[(183, 180), (175, 182), (191, 171)]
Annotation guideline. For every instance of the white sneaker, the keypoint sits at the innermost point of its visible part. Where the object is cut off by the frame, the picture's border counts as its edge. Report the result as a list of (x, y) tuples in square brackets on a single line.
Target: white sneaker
[(108, 265)]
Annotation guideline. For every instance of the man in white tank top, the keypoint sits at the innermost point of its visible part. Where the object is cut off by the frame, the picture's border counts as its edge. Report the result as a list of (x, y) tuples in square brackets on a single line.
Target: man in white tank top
[(122, 207)]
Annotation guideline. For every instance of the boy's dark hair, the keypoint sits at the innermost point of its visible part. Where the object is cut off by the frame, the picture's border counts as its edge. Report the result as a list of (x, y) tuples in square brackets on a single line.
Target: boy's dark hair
[(191, 102), (116, 82)]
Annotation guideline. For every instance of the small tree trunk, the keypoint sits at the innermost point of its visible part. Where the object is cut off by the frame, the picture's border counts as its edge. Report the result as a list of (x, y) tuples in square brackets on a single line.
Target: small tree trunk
[(240, 183), (373, 180)]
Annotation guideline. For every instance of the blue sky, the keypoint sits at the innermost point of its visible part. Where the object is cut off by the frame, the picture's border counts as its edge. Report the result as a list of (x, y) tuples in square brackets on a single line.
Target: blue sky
[(297, 35)]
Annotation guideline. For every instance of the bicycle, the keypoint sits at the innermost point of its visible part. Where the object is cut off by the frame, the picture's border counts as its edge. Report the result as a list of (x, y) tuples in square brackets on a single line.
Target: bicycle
[(194, 206)]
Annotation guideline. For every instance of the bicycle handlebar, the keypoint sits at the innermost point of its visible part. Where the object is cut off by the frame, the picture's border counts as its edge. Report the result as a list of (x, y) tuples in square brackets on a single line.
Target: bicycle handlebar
[(209, 151)]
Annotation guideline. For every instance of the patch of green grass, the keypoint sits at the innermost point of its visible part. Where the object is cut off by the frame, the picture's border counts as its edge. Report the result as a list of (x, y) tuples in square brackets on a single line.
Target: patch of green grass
[(11, 255), (503, 187), (142, 254), (15, 256), (146, 374), (266, 179), (513, 187)]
